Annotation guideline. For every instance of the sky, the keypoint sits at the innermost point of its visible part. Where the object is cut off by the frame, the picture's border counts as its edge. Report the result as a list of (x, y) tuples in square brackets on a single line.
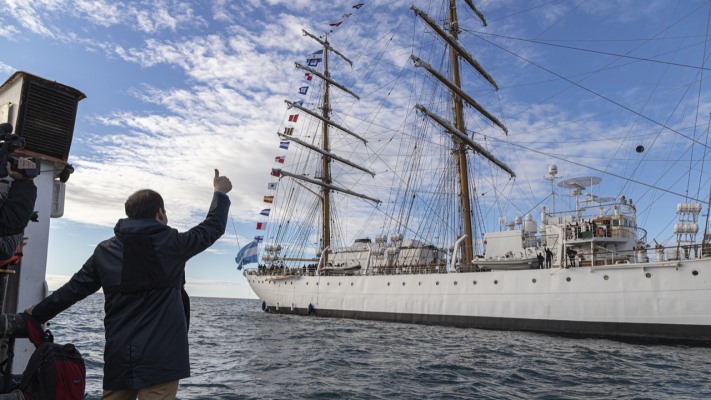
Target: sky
[(176, 89)]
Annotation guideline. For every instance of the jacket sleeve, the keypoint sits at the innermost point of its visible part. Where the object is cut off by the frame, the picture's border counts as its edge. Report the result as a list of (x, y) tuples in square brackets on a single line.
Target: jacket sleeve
[(208, 231), (82, 284), (8, 245), (16, 210)]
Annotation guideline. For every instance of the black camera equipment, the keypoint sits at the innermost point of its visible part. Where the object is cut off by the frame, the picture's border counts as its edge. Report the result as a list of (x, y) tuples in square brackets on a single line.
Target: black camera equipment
[(10, 143)]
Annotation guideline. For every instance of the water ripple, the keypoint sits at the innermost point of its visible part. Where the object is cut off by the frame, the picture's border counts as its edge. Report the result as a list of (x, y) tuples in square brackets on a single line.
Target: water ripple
[(238, 352)]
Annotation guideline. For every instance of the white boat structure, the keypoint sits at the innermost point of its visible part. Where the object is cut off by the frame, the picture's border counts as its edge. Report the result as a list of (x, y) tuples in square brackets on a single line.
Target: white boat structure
[(575, 263)]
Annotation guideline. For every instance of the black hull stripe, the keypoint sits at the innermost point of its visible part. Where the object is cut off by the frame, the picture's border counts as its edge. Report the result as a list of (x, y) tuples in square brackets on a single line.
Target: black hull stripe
[(666, 333)]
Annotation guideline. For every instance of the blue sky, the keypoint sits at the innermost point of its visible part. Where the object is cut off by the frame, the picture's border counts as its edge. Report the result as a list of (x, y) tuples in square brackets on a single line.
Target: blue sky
[(178, 88)]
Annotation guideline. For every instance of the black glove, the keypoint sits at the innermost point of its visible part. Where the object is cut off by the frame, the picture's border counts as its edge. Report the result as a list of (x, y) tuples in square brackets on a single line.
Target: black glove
[(34, 330)]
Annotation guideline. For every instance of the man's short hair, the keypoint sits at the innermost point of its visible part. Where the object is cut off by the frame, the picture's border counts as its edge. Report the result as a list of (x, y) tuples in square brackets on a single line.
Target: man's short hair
[(144, 203)]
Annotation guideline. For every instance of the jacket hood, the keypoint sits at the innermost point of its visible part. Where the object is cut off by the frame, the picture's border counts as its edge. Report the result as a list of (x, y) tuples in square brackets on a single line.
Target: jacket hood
[(138, 226)]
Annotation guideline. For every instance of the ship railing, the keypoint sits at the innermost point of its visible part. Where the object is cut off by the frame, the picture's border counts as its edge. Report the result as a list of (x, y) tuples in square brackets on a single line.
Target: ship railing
[(305, 270), (605, 256), (410, 269), (623, 207), (590, 231), (642, 255)]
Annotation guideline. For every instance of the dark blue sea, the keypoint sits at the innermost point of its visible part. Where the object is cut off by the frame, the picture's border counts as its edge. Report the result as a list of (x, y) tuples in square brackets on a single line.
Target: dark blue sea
[(240, 352)]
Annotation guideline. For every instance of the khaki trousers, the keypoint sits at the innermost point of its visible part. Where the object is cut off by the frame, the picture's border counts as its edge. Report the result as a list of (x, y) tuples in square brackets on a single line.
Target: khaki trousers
[(164, 391)]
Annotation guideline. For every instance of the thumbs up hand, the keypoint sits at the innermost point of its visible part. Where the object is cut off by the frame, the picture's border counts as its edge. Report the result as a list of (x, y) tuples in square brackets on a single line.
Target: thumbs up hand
[(221, 183)]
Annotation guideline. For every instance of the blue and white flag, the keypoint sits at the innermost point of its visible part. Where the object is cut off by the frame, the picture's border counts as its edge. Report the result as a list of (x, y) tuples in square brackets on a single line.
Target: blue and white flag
[(248, 254), (298, 102)]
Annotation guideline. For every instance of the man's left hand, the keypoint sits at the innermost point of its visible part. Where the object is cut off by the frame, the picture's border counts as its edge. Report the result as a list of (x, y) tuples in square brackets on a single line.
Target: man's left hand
[(23, 163)]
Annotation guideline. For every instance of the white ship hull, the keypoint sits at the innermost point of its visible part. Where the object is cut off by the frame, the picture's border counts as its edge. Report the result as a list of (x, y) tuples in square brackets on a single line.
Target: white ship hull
[(660, 301)]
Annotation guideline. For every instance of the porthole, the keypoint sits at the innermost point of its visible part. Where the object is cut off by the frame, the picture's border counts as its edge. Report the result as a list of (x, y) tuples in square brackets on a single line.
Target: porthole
[(473, 282), (605, 277), (496, 282), (285, 283), (351, 283), (648, 275), (403, 284), (455, 283), (316, 283), (307, 284), (694, 272), (388, 283), (291, 283), (567, 279), (437, 283), (339, 283), (328, 283), (533, 280)]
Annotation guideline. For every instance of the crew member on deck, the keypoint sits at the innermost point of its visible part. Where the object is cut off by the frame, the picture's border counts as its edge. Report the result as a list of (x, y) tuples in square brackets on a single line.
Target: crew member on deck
[(549, 257), (571, 256)]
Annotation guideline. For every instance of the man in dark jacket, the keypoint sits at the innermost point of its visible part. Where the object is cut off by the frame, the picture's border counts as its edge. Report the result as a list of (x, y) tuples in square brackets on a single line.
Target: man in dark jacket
[(16, 209), (141, 272)]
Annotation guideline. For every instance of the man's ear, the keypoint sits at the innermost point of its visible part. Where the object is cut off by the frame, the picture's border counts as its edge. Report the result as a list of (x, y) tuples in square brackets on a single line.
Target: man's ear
[(162, 217)]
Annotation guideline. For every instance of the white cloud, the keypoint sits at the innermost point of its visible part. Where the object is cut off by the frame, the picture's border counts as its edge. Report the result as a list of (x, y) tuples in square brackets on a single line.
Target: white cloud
[(164, 15), (100, 12), (9, 32), (45, 17), (27, 15), (6, 69)]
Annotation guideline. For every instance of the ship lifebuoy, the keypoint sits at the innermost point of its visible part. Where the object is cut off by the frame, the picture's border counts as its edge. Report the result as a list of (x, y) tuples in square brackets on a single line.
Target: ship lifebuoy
[(600, 232)]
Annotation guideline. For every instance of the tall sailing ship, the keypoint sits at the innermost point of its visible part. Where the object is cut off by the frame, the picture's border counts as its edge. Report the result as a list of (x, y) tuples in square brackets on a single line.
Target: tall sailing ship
[(379, 209)]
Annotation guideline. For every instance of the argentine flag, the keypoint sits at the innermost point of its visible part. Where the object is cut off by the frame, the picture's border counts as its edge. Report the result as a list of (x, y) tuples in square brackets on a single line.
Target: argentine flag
[(247, 254)]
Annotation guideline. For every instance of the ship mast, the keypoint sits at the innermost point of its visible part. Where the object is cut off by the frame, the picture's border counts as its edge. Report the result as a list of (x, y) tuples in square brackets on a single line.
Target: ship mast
[(460, 151), (462, 142), (325, 180), (325, 160)]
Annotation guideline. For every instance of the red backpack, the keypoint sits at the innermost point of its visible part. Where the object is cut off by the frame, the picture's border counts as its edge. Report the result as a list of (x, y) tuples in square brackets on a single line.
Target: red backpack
[(55, 371)]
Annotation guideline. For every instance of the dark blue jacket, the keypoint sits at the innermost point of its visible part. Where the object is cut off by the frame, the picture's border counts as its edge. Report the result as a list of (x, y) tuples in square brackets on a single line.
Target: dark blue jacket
[(17, 208), (15, 212), (141, 271)]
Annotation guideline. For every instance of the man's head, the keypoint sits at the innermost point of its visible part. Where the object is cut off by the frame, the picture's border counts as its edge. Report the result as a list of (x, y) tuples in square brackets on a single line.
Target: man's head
[(145, 203)]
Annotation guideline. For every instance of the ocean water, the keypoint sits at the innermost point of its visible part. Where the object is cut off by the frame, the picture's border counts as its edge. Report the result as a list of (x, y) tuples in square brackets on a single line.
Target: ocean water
[(240, 352)]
